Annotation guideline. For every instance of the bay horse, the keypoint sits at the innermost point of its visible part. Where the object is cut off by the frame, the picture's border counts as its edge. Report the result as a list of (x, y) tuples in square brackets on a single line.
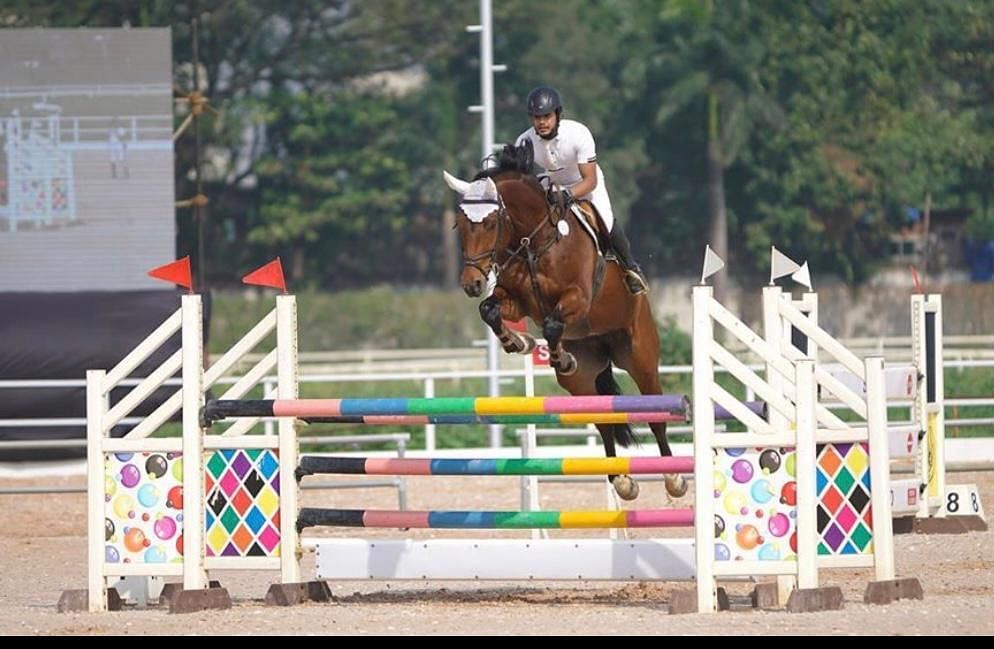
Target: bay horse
[(549, 270)]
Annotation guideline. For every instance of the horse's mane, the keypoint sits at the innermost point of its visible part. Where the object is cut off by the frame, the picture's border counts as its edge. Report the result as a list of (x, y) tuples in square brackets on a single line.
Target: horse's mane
[(510, 158)]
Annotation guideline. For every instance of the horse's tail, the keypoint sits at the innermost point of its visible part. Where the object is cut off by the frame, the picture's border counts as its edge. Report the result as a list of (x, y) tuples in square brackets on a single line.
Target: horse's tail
[(606, 384)]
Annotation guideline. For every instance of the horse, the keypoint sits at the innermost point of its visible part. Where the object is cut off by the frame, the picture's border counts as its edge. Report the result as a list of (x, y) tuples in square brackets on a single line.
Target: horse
[(549, 270)]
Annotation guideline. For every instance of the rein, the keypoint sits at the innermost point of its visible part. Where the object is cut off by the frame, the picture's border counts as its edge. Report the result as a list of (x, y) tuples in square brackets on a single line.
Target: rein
[(532, 256), (524, 250)]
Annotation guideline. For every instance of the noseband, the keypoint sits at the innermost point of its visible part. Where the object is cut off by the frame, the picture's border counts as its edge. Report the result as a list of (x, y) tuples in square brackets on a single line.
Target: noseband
[(474, 261)]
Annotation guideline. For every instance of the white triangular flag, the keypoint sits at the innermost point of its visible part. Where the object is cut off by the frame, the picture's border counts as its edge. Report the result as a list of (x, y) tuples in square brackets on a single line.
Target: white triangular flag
[(781, 264), (712, 264), (803, 276)]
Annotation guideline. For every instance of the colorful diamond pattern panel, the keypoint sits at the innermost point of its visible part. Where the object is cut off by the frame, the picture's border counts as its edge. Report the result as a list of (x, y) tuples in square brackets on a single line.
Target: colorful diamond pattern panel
[(242, 507), (845, 521)]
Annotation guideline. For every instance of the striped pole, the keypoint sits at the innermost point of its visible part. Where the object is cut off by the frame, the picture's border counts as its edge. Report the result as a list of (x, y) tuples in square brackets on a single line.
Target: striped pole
[(310, 465), (573, 419), (472, 410), (759, 408), (479, 406), (490, 520)]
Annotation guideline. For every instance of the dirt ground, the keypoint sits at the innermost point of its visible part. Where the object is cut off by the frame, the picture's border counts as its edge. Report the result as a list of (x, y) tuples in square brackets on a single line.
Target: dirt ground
[(43, 550)]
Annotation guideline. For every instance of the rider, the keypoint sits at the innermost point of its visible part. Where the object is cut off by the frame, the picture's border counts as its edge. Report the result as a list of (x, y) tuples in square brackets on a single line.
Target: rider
[(565, 149)]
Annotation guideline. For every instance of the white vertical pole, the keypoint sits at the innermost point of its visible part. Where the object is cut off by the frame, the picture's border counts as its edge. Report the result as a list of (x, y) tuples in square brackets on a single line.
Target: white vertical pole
[(487, 76), (269, 425), (703, 410), (919, 408), (430, 430), (936, 416), (96, 409), (807, 489), (194, 574), (529, 483), (286, 388), (809, 304), (773, 333), (486, 109), (876, 425)]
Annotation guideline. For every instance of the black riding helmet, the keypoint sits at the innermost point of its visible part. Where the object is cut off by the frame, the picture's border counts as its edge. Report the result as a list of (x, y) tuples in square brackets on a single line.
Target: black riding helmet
[(544, 100)]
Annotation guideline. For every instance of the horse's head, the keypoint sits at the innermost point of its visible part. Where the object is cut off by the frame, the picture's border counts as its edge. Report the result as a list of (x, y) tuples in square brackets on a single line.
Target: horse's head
[(502, 202), (483, 227)]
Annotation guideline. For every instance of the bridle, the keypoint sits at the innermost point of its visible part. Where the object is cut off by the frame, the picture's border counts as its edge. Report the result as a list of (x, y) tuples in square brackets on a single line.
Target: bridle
[(474, 261), (523, 251)]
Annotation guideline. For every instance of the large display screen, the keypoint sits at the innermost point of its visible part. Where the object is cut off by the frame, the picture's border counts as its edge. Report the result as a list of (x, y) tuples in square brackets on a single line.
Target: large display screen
[(86, 159)]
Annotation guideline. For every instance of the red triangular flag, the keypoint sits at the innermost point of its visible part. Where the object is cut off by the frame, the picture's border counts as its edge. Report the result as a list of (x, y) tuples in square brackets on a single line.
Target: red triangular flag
[(177, 272), (269, 275)]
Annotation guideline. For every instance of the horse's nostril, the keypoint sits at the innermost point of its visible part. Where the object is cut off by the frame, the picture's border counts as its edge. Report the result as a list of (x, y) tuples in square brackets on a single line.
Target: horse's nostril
[(474, 288)]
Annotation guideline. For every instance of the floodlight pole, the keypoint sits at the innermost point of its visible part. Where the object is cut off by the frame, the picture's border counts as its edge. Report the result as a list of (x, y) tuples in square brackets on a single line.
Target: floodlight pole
[(486, 109)]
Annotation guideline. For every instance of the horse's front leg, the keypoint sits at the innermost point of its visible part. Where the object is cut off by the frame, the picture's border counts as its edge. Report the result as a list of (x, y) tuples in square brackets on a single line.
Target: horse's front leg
[(572, 306), (498, 308)]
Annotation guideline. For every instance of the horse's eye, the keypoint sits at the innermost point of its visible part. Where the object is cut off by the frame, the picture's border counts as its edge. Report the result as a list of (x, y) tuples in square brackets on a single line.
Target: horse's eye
[(490, 224)]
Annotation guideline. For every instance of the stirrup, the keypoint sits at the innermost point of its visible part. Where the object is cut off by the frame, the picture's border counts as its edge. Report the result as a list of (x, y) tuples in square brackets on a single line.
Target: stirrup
[(635, 282)]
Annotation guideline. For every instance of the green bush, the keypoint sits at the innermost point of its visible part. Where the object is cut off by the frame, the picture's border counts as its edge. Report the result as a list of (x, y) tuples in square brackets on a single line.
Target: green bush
[(377, 318), (675, 344)]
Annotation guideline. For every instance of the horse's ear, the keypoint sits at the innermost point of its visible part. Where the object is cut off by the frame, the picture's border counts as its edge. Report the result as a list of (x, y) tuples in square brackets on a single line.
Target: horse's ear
[(457, 185), (526, 156)]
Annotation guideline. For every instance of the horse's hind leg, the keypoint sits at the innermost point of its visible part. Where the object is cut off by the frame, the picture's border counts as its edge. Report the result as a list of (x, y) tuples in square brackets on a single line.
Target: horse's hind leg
[(625, 485), (592, 364), (639, 358)]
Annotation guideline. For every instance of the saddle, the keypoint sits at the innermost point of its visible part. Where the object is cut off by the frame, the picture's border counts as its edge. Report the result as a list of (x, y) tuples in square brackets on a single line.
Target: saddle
[(588, 217)]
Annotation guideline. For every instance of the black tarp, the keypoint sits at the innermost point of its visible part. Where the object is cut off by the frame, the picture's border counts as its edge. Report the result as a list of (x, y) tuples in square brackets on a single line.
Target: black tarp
[(61, 336)]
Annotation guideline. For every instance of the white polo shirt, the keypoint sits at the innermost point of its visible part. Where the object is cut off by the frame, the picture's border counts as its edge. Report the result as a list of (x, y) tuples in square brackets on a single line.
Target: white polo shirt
[(561, 157)]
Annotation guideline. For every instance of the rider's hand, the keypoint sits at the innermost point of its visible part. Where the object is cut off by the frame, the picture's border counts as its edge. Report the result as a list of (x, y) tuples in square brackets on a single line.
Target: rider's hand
[(559, 195)]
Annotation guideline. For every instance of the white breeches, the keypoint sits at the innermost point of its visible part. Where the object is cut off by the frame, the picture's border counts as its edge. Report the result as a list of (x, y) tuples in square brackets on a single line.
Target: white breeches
[(602, 201)]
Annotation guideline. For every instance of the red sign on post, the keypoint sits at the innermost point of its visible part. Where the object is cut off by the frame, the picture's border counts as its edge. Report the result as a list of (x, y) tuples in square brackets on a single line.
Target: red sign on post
[(540, 355), (520, 325)]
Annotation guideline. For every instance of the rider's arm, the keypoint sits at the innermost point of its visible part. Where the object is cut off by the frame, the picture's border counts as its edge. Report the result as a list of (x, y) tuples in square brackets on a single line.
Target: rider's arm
[(588, 179)]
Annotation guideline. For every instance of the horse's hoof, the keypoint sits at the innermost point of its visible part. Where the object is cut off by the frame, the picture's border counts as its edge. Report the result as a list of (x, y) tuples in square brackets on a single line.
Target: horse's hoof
[(626, 487), (529, 343), (676, 484), (567, 364)]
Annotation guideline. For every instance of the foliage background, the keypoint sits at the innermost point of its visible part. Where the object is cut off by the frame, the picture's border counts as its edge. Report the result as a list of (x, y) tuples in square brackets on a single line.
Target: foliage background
[(815, 124)]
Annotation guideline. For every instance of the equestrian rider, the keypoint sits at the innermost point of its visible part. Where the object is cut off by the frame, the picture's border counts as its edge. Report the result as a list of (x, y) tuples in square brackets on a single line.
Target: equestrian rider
[(565, 149)]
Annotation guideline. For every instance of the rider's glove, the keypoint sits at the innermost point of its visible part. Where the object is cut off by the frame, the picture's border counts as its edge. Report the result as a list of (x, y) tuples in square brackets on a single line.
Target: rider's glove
[(561, 197)]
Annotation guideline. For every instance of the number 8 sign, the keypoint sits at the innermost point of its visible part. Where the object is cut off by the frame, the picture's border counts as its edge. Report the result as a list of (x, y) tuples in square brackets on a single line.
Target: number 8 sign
[(963, 500)]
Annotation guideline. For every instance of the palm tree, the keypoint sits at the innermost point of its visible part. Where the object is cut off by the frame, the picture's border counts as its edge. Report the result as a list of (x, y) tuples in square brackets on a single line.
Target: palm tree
[(712, 58)]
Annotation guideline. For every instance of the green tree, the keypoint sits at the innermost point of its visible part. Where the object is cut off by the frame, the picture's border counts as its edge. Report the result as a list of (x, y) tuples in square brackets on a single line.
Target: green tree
[(707, 61), (875, 126)]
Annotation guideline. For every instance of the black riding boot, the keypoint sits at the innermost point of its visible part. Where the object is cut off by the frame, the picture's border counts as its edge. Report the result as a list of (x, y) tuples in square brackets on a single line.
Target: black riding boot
[(634, 278)]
